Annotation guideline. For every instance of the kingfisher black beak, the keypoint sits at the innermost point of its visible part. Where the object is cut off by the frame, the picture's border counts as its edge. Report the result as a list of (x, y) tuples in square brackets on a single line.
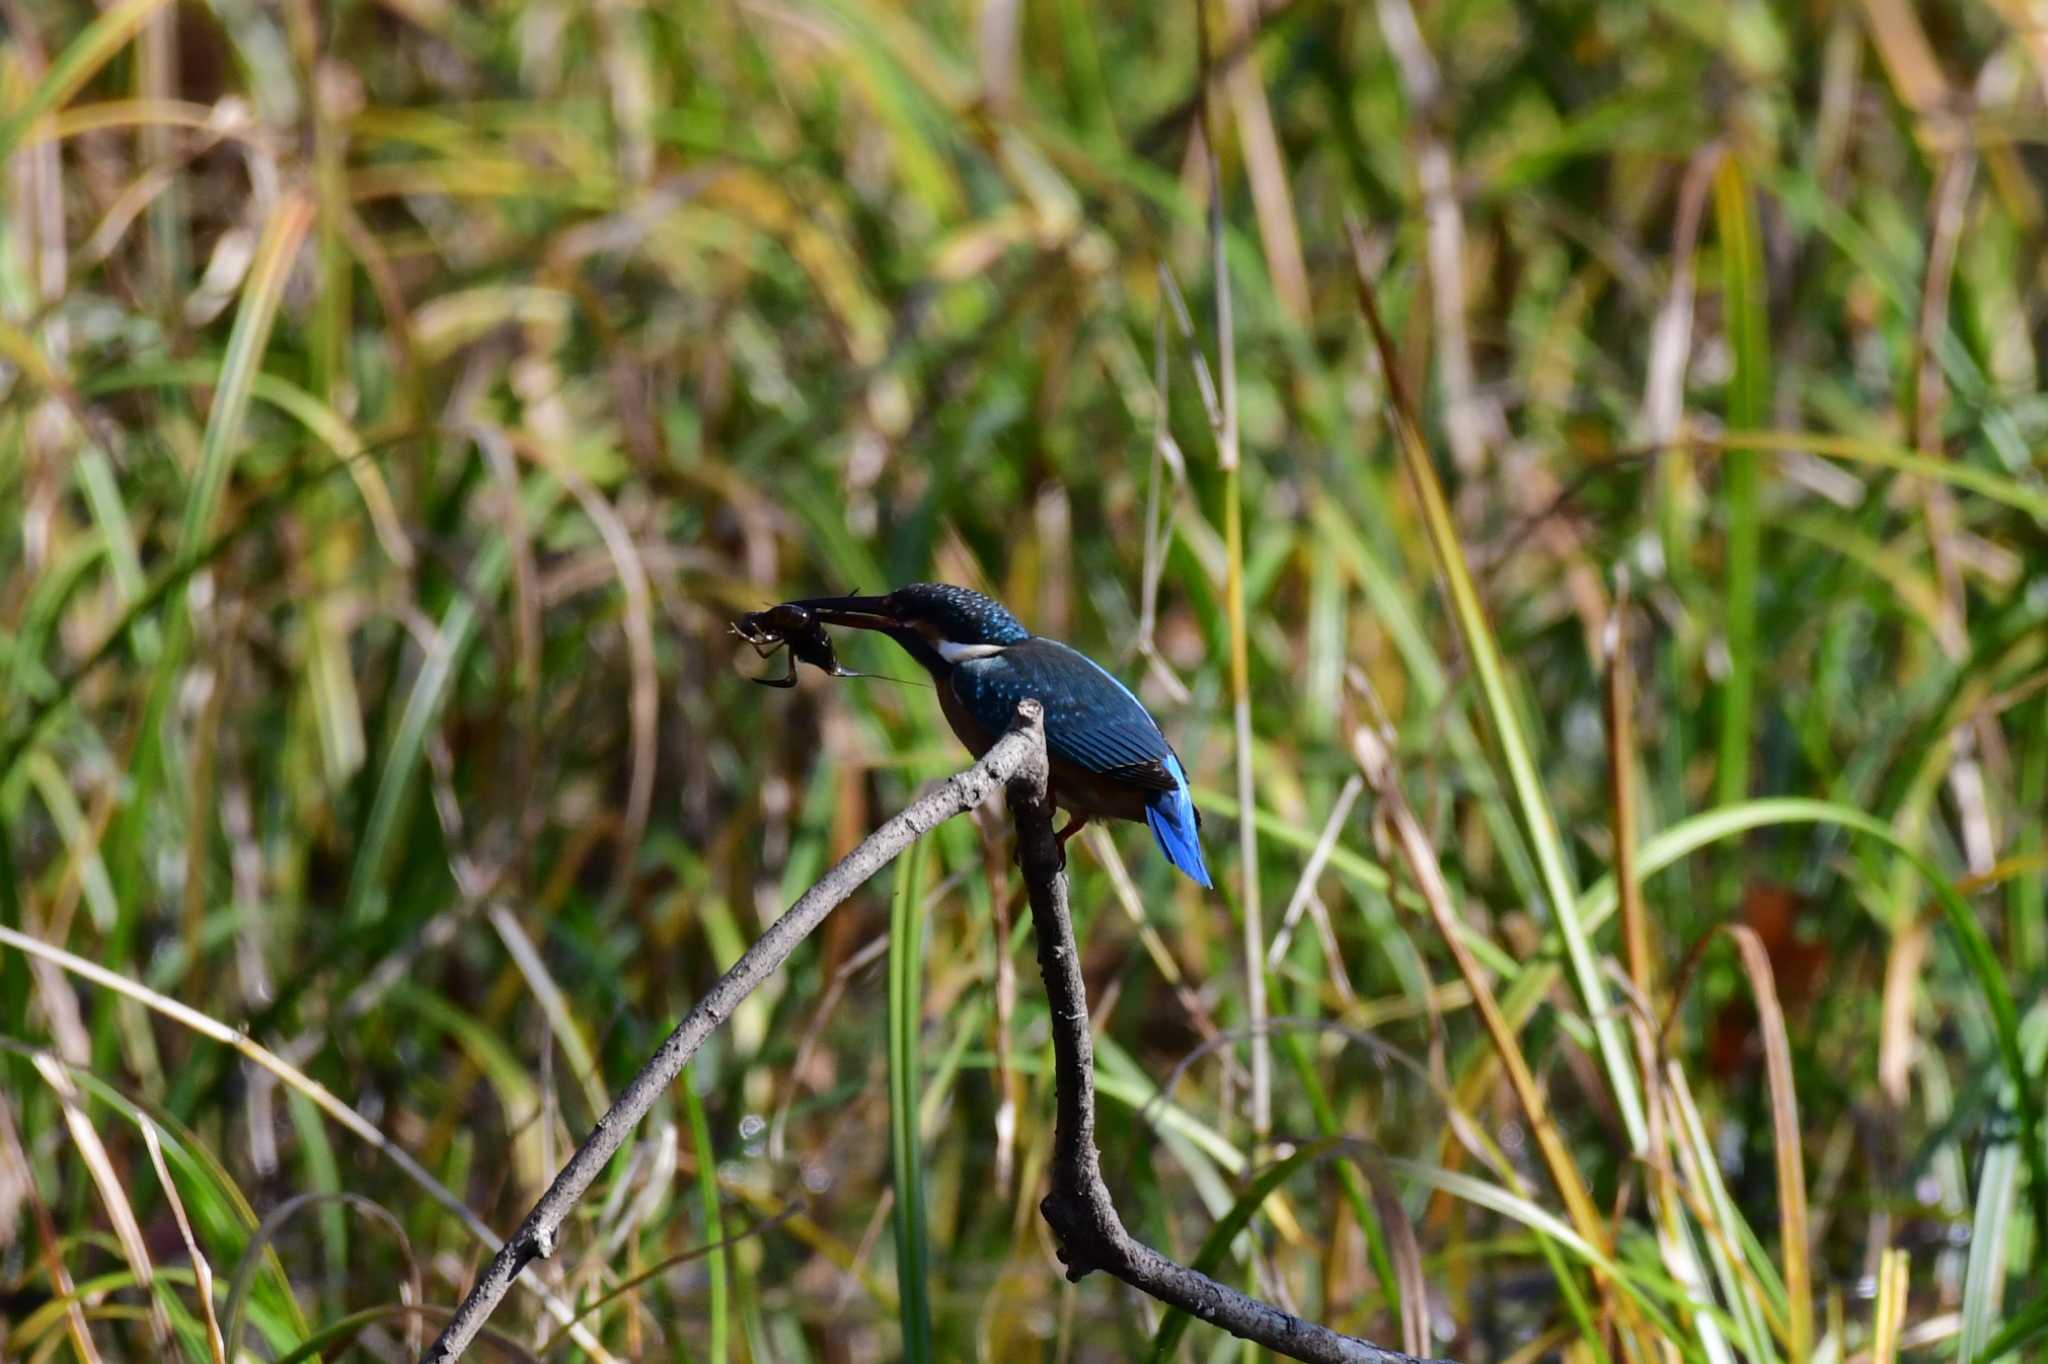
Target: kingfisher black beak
[(859, 613)]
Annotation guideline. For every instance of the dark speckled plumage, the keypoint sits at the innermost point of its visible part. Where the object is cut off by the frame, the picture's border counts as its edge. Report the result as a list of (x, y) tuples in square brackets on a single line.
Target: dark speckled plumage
[(959, 613), (1107, 753)]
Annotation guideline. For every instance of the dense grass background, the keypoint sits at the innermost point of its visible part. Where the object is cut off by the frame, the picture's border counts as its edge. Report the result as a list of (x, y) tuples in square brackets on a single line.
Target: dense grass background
[(397, 400)]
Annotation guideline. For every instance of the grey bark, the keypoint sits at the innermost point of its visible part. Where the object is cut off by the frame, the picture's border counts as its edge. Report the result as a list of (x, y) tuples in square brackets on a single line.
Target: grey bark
[(1079, 1207)]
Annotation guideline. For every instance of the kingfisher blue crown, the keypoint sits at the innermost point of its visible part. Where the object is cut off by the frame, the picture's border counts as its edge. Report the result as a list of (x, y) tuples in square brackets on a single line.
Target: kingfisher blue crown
[(1108, 755)]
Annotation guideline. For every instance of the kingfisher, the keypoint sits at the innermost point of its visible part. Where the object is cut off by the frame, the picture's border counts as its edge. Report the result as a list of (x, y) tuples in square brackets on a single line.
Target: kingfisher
[(1109, 757)]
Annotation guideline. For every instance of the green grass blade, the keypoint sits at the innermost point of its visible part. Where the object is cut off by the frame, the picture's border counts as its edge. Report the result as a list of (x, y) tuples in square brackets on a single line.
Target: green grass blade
[(714, 1222), (458, 627), (343, 1330), (136, 623), (261, 296), (1991, 1238), (1672, 845), (1359, 868), (2021, 1328), (1744, 301), (1984, 1275), (906, 1022)]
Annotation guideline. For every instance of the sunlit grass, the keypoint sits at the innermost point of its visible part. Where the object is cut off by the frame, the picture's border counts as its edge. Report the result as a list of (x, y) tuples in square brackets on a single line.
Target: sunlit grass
[(396, 403)]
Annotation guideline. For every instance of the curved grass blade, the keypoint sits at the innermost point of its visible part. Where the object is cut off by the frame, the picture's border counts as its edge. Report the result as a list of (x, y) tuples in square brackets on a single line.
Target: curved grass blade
[(1991, 1224), (1998, 487), (1643, 1291), (301, 1083), (1406, 1297), (219, 1207), (1744, 1278), (1209, 1259), (1359, 868), (80, 62), (1978, 953), (79, 838), (341, 1332), (788, 1216), (320, 421), (259, 1253)]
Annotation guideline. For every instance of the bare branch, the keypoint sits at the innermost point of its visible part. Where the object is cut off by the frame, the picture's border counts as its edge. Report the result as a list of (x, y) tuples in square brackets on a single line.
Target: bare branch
[(1079, 1207), (536, 1237)]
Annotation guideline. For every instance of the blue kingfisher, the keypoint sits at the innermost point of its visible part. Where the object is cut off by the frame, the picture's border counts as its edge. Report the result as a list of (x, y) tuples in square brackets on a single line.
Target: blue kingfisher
[(1108, 755)]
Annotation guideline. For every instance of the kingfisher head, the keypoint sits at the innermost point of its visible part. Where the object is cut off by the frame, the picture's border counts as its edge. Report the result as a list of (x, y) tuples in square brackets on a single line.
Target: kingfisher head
[(939, 624)]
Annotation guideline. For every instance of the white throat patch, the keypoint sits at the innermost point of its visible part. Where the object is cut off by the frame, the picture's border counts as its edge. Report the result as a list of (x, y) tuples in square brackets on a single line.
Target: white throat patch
[(961, 653)]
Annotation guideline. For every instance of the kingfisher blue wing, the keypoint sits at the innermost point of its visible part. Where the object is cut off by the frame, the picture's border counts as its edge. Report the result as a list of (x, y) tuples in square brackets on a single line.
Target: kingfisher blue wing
[(1177, 825), (1091, 720), (1094, 724)]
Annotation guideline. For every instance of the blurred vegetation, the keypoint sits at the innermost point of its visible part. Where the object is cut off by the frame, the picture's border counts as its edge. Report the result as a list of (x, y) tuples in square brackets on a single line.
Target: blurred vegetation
[(397, 400)]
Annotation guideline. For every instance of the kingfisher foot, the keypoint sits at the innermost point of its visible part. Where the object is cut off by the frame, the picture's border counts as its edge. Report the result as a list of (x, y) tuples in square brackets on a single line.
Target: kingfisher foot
[(1059, 840), (1075, 823)]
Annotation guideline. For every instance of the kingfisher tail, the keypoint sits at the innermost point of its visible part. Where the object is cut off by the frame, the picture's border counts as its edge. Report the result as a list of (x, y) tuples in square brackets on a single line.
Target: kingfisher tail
[(1177, 826)]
